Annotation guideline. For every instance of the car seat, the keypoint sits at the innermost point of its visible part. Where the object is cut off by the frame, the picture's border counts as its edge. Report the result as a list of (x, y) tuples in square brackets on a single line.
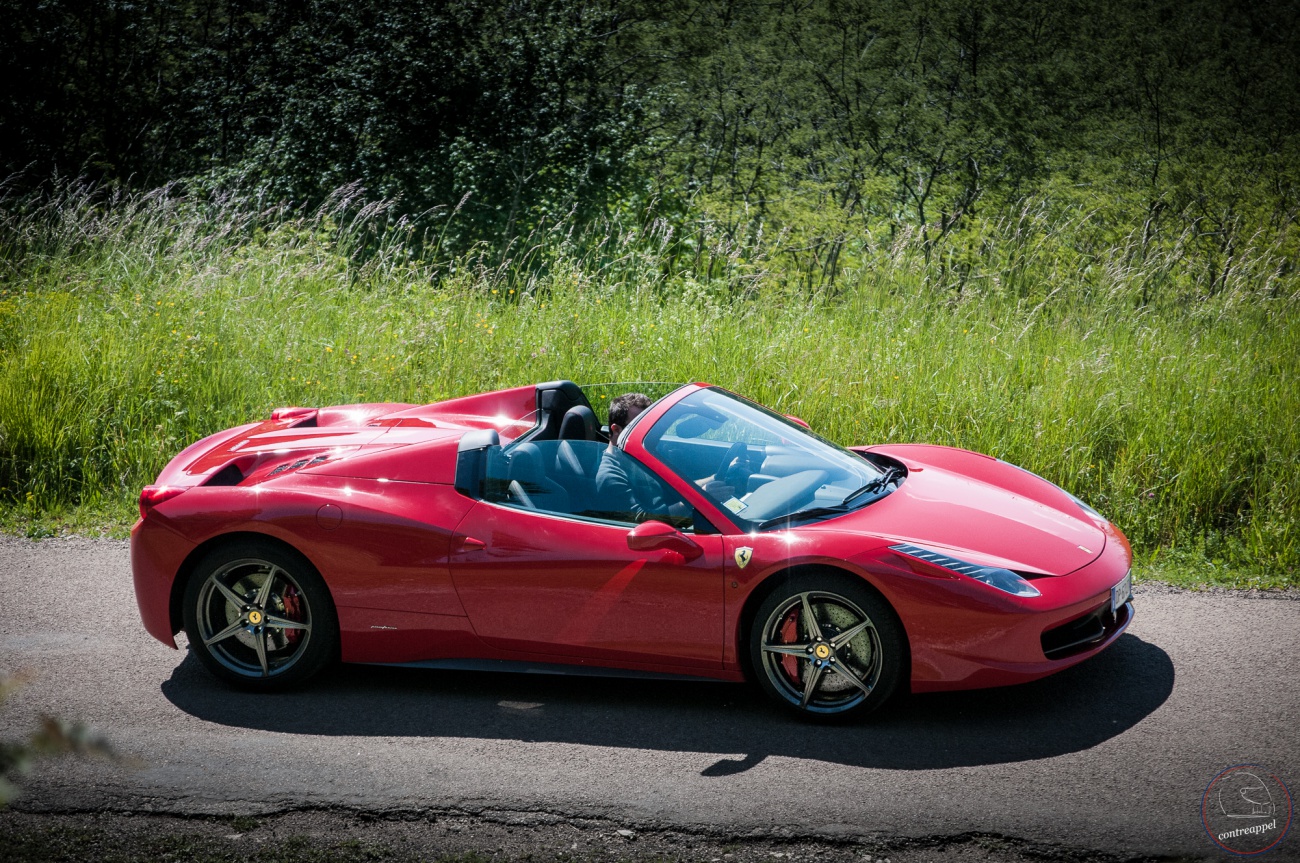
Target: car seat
[(529, 484), (579, 423)]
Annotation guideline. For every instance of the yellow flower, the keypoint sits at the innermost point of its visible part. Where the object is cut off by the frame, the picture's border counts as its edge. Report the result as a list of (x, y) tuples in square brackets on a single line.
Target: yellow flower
[(328, 349)]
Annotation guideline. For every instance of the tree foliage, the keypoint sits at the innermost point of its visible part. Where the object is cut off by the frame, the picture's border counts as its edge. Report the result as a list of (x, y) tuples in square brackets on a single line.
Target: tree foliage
[(818, 115), (517, 105)]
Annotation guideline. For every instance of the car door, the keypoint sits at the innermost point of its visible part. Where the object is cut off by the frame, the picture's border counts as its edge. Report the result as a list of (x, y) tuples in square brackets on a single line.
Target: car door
[(543, 581)]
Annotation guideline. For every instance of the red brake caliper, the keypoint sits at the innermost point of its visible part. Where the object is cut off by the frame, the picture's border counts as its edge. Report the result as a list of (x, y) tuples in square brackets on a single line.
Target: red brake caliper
[(790, 635), (292, 611)]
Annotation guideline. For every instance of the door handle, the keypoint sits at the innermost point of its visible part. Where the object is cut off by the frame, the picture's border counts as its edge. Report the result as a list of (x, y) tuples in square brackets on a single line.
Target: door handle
[(469, 543)]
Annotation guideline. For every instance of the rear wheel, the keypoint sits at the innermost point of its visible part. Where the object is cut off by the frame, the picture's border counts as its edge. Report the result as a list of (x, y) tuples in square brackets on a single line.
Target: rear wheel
[(827, 647), (259, 616)]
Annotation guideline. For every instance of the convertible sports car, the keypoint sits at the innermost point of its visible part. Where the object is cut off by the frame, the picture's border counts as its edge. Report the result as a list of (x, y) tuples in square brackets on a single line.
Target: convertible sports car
[(485, 533)]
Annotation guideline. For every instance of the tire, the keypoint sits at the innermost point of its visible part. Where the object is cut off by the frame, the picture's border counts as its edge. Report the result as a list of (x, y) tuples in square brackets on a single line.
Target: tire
[(815, 671), (233, 600)]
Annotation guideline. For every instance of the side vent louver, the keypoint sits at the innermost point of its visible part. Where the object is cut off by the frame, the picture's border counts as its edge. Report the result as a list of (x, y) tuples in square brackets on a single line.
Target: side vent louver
[(299, 463), (937, 559)]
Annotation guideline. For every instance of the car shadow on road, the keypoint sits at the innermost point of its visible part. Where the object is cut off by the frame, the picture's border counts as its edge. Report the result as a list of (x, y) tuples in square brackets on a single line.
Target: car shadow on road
[(1069, 712)]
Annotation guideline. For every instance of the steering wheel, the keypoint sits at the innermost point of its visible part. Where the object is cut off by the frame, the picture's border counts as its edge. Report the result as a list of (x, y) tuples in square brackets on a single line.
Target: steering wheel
[(734, 454)]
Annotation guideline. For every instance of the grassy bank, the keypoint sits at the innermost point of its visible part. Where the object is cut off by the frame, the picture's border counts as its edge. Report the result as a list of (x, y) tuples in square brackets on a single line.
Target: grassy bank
[(127, 331)]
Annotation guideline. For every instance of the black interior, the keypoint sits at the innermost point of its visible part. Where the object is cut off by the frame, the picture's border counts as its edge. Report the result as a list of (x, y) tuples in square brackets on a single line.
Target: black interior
[(554, 401)]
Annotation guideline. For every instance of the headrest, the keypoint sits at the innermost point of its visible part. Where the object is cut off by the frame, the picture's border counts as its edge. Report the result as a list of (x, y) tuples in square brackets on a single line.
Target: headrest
[(578, 424)]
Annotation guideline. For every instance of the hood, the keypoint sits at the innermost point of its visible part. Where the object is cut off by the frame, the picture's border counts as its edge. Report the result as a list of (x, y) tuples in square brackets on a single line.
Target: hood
[(982, 510)]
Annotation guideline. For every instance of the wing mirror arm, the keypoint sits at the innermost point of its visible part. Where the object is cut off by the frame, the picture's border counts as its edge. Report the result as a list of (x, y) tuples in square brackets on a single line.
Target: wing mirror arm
[(653, 535)]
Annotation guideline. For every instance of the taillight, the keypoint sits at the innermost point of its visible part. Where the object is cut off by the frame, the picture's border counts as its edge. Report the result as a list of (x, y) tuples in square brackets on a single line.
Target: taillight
[(152, 495)]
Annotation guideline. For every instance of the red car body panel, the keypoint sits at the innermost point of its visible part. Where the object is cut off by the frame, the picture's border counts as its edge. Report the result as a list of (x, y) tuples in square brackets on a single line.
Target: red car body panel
[(543, 584), (419, 571)]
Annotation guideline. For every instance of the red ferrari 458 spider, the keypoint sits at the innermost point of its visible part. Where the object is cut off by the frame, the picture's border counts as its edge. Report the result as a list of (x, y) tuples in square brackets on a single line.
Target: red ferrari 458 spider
[(710, 538)]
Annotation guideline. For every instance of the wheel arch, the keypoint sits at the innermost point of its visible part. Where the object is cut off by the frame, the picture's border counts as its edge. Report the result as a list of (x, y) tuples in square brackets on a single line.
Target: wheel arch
[(783, 576), (186, 570)]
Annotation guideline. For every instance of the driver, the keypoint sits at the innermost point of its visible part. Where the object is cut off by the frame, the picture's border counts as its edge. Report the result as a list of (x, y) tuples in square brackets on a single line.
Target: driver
[(616, 488)]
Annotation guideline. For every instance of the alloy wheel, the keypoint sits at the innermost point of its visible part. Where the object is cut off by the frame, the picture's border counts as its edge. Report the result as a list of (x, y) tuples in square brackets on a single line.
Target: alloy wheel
[(253, 618), (821, 652)]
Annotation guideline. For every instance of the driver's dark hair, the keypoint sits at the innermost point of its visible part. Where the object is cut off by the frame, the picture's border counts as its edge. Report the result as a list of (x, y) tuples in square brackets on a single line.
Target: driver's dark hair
[(620, 407)]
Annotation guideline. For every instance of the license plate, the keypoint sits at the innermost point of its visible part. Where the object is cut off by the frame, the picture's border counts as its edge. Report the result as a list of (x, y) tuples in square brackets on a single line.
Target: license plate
[(1121, 593)]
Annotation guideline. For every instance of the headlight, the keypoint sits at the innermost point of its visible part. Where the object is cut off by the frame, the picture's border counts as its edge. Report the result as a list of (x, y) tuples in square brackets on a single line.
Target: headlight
[(1003, 579)]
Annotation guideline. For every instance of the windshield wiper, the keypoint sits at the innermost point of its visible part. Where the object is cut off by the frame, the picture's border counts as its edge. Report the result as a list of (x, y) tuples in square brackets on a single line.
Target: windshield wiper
[(804, 513), (877, 484)]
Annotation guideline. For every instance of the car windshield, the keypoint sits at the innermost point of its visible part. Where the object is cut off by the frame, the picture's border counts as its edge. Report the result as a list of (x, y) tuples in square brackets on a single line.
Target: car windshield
[(765, 469)]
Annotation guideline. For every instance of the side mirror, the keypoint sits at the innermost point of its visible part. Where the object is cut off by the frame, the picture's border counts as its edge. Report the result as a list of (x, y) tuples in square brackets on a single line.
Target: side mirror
[(794, 419), (652, 535)]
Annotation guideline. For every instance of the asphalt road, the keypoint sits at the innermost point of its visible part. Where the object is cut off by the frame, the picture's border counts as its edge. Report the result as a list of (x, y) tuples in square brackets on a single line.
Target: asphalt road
[(1113, 755)]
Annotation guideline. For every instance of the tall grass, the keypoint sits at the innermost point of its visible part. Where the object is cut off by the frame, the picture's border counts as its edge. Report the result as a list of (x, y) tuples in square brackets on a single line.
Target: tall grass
[(130, 327)]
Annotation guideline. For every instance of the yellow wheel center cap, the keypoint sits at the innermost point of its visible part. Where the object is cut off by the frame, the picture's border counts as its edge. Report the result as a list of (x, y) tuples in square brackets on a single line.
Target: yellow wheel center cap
[(255, 617), (822, 651)]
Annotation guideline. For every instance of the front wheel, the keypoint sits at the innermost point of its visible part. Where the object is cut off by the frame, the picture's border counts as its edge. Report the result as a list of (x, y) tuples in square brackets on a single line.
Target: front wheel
[(259, 616), (827, 647)]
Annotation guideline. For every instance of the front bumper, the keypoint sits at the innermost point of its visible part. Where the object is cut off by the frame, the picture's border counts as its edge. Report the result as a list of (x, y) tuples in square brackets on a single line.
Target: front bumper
[(989, 640)]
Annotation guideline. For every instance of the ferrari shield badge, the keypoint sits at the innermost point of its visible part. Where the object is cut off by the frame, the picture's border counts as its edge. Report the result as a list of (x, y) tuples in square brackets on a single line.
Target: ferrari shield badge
[(743, 555)]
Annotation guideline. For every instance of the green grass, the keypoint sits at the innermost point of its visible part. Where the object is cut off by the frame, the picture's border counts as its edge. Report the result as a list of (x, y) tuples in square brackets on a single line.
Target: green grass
[(129, 329)]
